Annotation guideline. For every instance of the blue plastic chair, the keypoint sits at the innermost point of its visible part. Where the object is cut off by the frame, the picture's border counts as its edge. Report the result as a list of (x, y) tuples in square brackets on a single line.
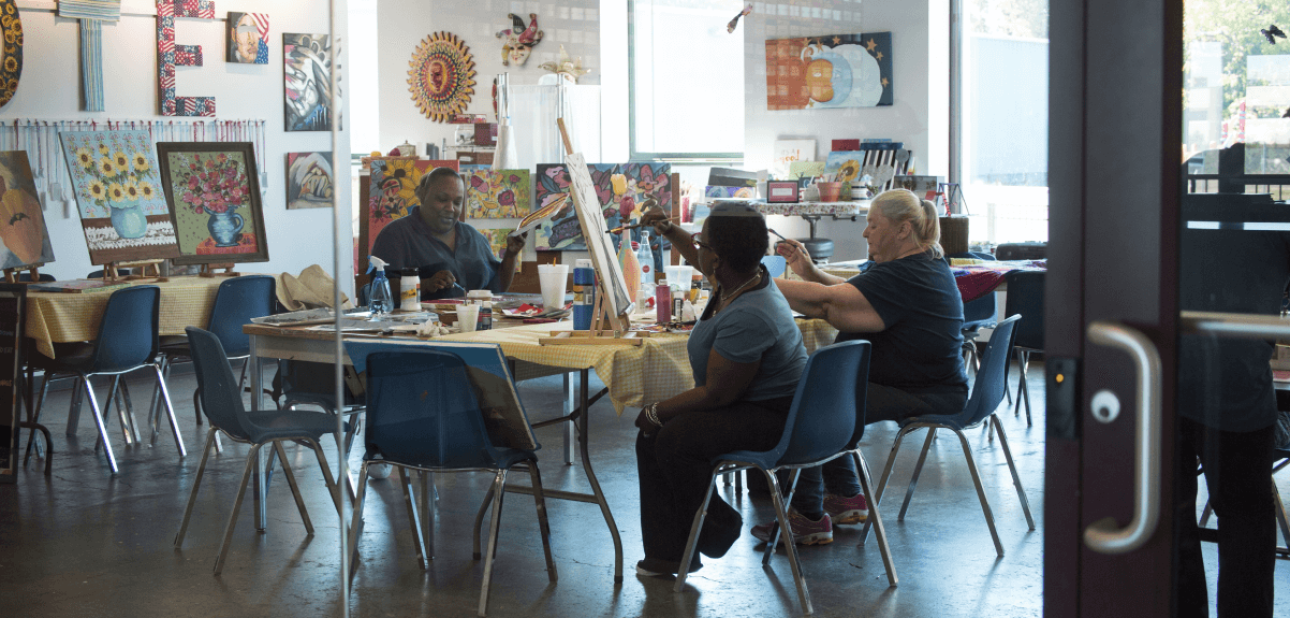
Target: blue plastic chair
[(422, 415), (775, 265), (987, 394), (26, 276), (127, 341), (222, 403), (237, 300), (977, 314), (1026, 297), (826, 421)]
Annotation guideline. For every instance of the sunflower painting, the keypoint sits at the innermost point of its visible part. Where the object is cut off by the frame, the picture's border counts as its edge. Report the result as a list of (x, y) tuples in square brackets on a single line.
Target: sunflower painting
[(846, 164), (390, 194), (10, 50)]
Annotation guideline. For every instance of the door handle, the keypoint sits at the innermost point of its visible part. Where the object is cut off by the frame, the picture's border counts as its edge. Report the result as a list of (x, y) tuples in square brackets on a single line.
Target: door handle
[(1105, 536)]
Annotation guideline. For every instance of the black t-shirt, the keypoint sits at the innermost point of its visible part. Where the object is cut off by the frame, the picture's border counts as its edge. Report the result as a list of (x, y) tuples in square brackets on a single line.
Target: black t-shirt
[(920, 348)]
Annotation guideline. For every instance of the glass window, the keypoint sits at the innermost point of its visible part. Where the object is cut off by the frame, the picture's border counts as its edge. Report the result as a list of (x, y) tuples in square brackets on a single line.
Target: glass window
[(1003, 118), (686, 77)]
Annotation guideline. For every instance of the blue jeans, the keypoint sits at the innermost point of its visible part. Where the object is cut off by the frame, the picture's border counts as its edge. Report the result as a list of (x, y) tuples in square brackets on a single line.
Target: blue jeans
[(882, 403)]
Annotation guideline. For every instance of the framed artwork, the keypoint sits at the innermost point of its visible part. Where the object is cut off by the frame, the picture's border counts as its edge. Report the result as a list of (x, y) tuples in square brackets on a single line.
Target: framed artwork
[(248, 38), (392, 184), (24, 239), (214, 192), (309, 180), (620, 188), (307, 66), (836, 70), (498, 194), (119, 196), (788, 152), (733, 193)]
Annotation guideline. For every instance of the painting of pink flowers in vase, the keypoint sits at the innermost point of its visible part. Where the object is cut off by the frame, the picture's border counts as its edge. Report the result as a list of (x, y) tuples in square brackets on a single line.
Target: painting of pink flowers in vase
[(214, 192), (118, 196)]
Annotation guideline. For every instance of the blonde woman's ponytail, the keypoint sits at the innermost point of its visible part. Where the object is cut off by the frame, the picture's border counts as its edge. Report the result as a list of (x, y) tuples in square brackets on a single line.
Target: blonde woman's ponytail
[(931, 235)]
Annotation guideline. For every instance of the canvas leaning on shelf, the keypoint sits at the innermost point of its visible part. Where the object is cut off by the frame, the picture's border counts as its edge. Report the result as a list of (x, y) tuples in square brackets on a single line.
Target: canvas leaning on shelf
[(214, 192)]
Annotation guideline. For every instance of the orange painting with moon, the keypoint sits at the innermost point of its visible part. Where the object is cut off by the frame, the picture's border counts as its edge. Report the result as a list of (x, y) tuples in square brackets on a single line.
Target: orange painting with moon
[(836, 70)]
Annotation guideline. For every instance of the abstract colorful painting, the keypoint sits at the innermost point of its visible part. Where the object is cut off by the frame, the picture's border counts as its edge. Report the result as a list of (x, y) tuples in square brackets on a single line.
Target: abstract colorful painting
[(442, 76), (214, 190), (739, 193), (248, 38), (307, 65), (10, 51), (498, 194), (621, 189), (393, 191), (836, 70), (24, 239), (309, 180), (119, 196)]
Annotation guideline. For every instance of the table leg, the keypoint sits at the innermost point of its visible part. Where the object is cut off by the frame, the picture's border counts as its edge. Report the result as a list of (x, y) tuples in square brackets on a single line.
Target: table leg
[(569, 428), (259, 487), (583, 438)]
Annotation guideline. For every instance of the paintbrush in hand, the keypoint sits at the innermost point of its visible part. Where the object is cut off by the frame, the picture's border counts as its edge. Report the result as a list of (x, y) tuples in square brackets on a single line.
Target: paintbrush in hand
[(632, 226)]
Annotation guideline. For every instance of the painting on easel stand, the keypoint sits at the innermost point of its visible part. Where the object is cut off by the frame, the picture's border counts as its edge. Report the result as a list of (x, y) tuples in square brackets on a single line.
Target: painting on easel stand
[(23, 233), (620, 189), (214, 191), (836, 70), (118, 195)]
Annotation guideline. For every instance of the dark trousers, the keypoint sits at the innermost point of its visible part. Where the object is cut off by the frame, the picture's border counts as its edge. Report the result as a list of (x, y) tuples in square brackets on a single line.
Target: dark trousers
[(674, 469), (1237, 473), (882, 403)]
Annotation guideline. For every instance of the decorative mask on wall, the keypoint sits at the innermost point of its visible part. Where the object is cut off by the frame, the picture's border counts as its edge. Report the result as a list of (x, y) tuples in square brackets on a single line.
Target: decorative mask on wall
[(567, 67), (518, 41)]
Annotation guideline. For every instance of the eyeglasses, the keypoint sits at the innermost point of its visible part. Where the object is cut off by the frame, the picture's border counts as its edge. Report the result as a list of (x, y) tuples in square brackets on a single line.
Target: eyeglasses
[(697, 239)]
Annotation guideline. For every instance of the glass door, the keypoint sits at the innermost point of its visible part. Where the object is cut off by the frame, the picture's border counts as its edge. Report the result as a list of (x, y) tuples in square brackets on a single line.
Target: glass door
[(1169, 258)]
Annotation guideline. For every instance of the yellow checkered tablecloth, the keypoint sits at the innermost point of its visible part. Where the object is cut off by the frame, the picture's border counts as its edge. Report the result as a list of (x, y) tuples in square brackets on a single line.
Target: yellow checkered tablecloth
[(635, 375), (60, 317)]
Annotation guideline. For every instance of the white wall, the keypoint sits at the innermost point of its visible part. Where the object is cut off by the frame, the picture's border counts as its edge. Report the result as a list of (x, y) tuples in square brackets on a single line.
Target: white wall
[(918, 117), (50, 88)]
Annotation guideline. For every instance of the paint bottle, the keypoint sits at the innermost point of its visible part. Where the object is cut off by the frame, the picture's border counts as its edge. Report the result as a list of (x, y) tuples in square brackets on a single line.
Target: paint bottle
[(409, 290), (663, 303), (584, 294)]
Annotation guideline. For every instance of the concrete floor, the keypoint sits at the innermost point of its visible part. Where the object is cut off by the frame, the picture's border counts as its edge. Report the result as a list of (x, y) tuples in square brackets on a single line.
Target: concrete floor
[(83, 542)]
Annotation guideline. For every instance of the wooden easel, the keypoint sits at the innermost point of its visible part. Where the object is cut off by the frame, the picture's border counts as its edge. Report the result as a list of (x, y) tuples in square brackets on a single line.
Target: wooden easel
[(11, 274), (208, 270), (596, 336), (620, 325), (147, 269)]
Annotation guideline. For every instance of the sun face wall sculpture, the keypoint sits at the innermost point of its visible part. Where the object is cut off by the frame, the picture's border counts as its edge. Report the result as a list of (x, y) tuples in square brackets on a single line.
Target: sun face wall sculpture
[(441, 76)]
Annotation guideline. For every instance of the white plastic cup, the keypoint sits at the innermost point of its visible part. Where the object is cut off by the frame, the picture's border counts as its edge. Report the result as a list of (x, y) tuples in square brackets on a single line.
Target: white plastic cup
[(680, 275), (467, 317), (554, 279)]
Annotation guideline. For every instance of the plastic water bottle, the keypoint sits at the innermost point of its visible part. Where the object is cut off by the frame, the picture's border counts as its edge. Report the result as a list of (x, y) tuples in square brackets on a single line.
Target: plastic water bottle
[(379, 298), (646, 258)]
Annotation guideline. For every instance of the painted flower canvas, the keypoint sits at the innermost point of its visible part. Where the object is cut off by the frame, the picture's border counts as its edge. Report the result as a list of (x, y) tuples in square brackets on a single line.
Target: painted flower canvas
[(23, 235), (389, 195), (622, 190), (118, 196), (498, 194), (215, 193)]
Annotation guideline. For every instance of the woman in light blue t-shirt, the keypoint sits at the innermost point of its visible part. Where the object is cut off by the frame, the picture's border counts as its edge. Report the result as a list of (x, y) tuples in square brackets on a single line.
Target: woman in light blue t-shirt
[(747, 356)]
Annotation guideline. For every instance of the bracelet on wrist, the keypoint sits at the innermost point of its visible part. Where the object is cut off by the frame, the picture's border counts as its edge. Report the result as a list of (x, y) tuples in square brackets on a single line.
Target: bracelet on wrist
[(651, 414)]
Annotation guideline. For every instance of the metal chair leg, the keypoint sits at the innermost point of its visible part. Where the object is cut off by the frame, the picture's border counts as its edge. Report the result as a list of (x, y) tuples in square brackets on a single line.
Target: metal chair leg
[(862, 466), (123, 395), (790, 547), (410, 501), (980, 492), (40, 405), (237, 506), (882, 481), (693, 540), (295, 490), (112, 397), (1012, 467), (98, 420), (357, 520), (1280, 510), (775, 528), (499, 492), (170, 411), (326, 470), (543, 527), (1023, 389), (478, 552), (428, 511), (74, 408), (918, 471), (197, 483)]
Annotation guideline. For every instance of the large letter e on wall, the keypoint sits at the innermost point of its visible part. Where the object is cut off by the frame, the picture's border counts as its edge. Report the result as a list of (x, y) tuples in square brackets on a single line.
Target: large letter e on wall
[(170, 55)]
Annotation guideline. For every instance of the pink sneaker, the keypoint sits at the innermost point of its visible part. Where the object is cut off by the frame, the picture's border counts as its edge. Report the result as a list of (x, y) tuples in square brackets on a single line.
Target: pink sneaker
[(805, 531), (853, 510)]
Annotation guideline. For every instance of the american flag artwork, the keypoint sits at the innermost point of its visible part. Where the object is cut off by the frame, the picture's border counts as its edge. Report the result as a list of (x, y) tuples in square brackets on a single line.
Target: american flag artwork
[(248, 38), (170, 55)]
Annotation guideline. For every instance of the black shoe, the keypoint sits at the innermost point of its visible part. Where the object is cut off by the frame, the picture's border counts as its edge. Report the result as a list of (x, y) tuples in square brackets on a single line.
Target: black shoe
[(653, 567), (717, 538)]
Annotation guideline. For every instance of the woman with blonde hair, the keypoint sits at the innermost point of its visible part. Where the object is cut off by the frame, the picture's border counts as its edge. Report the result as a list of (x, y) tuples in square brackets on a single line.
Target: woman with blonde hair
[(908, 306)]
